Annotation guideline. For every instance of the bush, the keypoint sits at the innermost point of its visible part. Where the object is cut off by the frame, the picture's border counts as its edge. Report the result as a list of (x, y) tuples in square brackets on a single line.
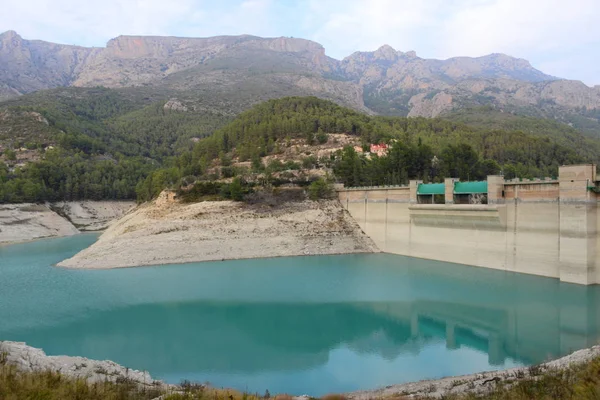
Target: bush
[(10, 155), (236, 190), (320, 189), (309, 162), (322, 138), (227, 172)]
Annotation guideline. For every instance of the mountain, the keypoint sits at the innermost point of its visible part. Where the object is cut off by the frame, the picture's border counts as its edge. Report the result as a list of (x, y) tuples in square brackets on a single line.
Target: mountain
[(241, 70), (238, 71)]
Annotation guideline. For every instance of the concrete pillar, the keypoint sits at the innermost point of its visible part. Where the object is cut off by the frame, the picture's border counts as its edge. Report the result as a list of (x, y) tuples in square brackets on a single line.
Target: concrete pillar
[(414, 325), (573, 181), (413, 185), (578, 224), (449, 190), (451, 336), (495, 351), (495, 189)]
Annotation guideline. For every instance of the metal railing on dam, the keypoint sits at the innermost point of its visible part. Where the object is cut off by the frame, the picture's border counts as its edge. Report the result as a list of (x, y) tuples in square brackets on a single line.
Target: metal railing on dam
[(542, 227)]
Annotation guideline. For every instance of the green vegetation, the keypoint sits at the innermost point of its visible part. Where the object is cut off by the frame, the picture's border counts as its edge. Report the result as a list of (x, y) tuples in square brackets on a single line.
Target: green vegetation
[(99, 143), (210, 190), (580, 382), (105, 143), (73, 175), (427, 149), (54, 386), (48, 385), (489, 117), (320, 189)]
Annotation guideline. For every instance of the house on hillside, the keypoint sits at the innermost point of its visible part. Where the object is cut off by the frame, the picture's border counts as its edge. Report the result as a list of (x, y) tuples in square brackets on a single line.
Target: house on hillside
[(379, 149)]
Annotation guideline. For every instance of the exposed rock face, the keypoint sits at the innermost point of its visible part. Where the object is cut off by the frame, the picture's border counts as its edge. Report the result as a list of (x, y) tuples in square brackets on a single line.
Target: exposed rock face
[(92, 215), (30, 359), (274, 66), (475, 384), (23, 222), (175, 105), (30, 65)]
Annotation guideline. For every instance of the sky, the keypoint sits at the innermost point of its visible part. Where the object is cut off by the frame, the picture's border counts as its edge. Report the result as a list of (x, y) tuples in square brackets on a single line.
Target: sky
[(559, 37)]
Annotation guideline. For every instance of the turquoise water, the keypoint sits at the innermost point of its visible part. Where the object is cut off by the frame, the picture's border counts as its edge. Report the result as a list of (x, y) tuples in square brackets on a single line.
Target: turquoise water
[(302, 325)]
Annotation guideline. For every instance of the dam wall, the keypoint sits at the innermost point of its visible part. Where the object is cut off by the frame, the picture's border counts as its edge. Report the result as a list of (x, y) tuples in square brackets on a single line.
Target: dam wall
[(542, 227)]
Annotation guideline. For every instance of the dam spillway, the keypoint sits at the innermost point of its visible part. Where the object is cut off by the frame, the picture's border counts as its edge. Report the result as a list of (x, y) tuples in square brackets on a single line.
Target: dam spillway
[(541, 227)]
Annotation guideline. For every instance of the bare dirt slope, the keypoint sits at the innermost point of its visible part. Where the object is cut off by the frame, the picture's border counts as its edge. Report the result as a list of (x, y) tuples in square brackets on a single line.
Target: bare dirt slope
[(168, 232)]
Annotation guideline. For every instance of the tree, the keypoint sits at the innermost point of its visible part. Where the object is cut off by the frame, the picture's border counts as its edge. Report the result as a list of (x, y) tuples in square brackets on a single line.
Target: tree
[(236, 190), (460, 161), (10, 155), (320, 189)]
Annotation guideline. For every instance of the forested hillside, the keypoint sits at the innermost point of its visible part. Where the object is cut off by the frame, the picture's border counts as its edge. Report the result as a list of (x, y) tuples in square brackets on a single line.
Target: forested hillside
[(98, 143), (427, 149)]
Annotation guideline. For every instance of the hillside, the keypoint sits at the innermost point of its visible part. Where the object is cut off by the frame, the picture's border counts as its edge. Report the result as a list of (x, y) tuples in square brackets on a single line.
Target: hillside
[(300, 140), (98, 143), (239, 71)]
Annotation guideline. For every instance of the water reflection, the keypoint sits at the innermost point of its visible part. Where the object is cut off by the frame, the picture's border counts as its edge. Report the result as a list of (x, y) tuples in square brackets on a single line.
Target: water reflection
[(302, 325)]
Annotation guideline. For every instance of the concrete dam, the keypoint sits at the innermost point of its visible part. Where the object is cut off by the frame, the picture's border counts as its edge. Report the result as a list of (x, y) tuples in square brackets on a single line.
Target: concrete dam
[(542, 227)]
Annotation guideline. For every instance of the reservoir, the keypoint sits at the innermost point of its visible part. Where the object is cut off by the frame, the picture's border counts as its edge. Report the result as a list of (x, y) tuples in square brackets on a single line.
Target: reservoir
[(299, 325)]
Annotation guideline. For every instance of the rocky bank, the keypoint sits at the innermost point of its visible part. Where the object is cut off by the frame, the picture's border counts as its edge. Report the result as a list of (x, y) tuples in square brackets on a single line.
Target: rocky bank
[(164, 232), (23, 222), (480, 383), (30, 359)]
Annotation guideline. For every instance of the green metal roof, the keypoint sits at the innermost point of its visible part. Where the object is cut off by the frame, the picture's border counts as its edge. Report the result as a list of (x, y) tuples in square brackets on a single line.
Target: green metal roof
[(470, 187), (431, 188)]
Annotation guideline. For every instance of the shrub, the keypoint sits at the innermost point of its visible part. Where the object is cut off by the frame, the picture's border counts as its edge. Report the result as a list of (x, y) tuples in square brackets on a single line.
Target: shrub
[(10, 155), (322, 138), (320, 189)]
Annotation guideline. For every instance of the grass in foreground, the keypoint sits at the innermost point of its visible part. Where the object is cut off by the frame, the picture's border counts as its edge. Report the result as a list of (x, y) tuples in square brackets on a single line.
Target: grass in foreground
[(579, 382)]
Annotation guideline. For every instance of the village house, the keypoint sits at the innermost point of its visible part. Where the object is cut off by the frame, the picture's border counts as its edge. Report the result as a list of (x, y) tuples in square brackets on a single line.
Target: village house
[(379, 149)]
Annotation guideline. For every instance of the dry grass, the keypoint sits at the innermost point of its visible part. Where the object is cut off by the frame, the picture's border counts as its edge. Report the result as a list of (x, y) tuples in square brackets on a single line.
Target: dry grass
[(15, 385), (576, 383), (581, 382)]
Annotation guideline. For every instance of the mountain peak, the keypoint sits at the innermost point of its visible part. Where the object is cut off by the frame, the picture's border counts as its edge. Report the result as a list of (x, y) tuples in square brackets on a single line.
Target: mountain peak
[(9, 34), (386, 52), (10, 40)]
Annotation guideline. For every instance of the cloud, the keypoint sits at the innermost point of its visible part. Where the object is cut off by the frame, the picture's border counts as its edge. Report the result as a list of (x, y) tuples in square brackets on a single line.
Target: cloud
[(95, 22), (559, 37), (92, 23), (542, 31)]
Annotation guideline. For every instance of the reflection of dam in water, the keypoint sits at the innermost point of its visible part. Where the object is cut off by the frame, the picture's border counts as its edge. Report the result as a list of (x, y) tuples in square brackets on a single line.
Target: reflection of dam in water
[(541, 227), (238, 337), (299, 325), (372, 307)]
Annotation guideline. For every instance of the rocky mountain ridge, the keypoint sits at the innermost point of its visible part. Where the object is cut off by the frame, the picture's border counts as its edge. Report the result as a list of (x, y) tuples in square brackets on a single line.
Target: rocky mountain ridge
[(384, 81)]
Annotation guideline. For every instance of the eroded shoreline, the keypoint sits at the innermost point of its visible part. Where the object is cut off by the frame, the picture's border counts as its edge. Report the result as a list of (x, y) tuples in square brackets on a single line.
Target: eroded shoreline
[(25, 222), (174, 233)]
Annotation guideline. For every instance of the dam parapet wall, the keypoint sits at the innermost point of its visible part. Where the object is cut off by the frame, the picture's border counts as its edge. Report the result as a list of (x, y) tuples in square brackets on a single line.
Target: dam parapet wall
[(547, 227)]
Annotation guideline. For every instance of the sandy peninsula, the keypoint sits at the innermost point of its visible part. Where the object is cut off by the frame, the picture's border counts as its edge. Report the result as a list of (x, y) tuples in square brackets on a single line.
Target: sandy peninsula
[(163, 232)]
